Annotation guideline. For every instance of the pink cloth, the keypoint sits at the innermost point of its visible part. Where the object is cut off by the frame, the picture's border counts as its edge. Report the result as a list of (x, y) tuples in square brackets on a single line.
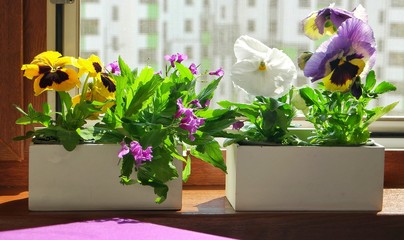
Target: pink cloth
[(108, 229)]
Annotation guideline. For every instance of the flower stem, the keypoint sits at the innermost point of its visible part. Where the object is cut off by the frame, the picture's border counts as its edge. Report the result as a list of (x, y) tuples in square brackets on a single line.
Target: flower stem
[(84, 89)]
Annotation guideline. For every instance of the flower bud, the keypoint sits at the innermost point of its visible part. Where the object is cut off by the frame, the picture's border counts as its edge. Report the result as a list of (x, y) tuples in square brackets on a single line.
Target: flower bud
[(303, 58)]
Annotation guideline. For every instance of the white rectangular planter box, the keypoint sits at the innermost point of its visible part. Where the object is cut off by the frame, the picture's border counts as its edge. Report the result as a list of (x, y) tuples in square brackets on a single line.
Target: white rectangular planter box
[(305, 178), (88, 179)]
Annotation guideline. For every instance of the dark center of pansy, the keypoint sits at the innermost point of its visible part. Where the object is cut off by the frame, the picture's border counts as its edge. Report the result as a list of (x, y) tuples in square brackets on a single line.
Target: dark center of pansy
[(343, 72), (97, 67), (44, 69), (107, 82), (53, 77)]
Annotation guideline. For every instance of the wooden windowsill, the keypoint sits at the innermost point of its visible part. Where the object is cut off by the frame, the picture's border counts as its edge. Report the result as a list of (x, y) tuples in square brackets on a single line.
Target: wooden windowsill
[(206, 209)]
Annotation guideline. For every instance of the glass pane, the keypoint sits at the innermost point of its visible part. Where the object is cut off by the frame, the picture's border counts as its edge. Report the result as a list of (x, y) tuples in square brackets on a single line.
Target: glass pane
[(143, 31)]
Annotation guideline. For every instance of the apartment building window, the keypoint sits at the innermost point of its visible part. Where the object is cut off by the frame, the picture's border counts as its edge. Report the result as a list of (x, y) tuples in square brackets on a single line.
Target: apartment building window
[(204, 51), (273, 27), (382, 18), (86, 54), (148, 1), (251, 25), (251, 3), (189, 2), (89, 27), (115, 13), (396, 58), (380, 45), (147, 56), (115, 43), (304, 3), (397, 3), (204, 25), (190, 51), (188, 26), (397, 30), (147, 26)]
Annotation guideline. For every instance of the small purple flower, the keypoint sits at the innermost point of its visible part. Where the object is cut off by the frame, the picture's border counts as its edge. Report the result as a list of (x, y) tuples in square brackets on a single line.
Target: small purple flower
[(181, 57), (190, 121), (207, 103), (175, 58), (113, 68), (171, 58), (193, 68), (196, 103), (124, 150), (158, 73), (238, 125), (137, 152), (218, 72)]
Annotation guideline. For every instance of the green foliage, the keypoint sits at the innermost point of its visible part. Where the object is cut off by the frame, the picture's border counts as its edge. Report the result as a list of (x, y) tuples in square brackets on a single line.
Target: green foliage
[(267, 120), (59, 127), (340, 118), (145, 112)]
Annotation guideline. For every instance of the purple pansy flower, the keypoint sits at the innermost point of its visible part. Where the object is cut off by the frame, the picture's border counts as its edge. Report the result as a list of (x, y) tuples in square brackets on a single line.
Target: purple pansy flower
[(113, 68), (219, 72), (345, 56), (326, 21)]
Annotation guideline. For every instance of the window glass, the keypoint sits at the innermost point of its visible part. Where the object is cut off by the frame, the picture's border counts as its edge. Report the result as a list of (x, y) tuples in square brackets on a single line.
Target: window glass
[(143, 31)]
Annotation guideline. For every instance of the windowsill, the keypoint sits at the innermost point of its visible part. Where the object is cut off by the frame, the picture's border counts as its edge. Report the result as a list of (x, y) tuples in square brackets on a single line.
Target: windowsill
[(206, 210)]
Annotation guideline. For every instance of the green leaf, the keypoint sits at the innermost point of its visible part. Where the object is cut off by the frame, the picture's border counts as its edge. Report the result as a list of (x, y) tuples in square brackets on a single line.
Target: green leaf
[(28, 134), (384, 87), (127, 165), (309, 96), (66, 99), (208, 91), (370, 81), (210, 153), (379, 112), (184, 71), (186, 172), (69, 139), (144, 92), (216, 120)]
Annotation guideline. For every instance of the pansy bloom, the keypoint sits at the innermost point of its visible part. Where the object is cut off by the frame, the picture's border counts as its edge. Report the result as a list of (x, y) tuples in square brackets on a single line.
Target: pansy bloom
[(327, 20), (49, 72), (260, 70), (104, 86), (344, 57)]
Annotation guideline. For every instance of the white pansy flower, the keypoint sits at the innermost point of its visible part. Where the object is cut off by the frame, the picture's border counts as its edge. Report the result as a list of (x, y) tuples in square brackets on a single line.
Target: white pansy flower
[(260, 70)]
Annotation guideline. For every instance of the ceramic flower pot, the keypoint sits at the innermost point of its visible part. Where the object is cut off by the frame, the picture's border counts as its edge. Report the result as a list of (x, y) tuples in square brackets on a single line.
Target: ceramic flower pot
[(305, 178), (88, 179)]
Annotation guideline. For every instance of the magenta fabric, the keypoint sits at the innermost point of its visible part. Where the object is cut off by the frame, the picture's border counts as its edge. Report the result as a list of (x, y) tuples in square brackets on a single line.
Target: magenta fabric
[(108, 229)]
